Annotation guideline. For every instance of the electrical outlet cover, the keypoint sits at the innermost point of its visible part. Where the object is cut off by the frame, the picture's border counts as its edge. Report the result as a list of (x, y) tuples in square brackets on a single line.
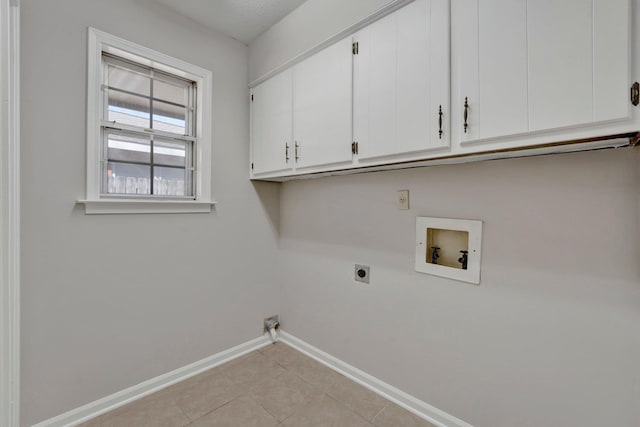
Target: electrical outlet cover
[(361, 273), (403, 200)]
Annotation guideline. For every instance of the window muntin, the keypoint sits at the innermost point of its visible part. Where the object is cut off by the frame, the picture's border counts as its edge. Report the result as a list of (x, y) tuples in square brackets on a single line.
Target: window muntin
[(148, 132)]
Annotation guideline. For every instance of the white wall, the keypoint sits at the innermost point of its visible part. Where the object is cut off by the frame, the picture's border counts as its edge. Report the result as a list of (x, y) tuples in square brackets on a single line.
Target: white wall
[(110, 301), (311, 23), (549, 338), (550, 333)]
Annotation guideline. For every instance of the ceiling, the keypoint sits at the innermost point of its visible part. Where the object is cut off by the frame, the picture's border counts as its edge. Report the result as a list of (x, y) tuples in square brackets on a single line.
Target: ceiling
[(243, 20)]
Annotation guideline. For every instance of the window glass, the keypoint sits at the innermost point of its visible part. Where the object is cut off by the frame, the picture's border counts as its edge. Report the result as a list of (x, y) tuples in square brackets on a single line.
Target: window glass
[(170, 154), (177, 94), (128, 178), (130, 81), (128, 109), (171, 181), (126, 148), (169, 118), (143, 105)]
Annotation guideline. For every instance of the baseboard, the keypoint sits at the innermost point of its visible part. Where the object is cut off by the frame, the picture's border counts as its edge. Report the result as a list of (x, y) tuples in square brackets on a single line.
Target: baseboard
[(121, 398), (109, 403), (400, 398)]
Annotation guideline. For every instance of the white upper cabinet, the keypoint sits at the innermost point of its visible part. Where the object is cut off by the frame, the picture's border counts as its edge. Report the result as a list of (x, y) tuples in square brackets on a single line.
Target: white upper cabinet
[(540, 65), (448, 80), (272, 125), (401, 82), (322, 91), (578, 62), (301, 117)]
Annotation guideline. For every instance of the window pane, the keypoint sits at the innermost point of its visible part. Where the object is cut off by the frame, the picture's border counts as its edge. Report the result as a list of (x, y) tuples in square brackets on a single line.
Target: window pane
[(129, 81), (134, 160), (169, 118), (170, 153), (125, 178), (125, 148), (171, 181), (178, 94), (128, 109)]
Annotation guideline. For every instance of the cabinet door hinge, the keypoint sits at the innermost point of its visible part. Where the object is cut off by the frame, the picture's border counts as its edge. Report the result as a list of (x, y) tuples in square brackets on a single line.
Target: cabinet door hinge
[(355, 48), (251, 166), (251, 97), (635, 93), (354, 147)]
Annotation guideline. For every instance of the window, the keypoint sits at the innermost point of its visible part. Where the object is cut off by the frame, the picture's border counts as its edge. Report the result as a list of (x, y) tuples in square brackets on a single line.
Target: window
[(148, 130)]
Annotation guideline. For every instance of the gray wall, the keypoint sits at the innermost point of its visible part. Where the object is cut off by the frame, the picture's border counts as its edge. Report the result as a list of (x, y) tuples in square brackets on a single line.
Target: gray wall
[(550, 333), (311, 23), (549, 338), (110, 301)]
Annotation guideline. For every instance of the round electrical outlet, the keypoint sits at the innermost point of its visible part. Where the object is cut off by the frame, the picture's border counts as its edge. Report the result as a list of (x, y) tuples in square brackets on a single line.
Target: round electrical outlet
[(361, 273)]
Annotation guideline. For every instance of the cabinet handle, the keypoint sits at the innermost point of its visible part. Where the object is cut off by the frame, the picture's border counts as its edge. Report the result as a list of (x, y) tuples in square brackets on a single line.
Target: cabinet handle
[(296, 147), (440, 122), (466, 114), (286, 152)]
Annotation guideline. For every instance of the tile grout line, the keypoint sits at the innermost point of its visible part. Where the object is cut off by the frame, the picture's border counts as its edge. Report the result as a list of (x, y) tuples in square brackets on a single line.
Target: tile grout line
[(325, 392), (215, 409), (406, 402), (322, 391), (380, 411), (346, 407), (187, 417), (246, 389), (287, 370), (265, 409)]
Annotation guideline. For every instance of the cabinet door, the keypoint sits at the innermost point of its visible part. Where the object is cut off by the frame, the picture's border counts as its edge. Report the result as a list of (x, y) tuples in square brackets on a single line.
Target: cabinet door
[(492, 58), (271, 117), (578, 62), (540, 65), (322, 86), (401, 81)]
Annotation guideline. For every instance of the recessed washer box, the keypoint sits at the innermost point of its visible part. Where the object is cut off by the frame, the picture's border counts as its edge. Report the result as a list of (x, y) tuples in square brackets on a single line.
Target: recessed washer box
[(449, 248)]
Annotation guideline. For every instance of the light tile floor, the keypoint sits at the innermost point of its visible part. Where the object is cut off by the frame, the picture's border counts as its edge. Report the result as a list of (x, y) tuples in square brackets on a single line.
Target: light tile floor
[(273, 386)]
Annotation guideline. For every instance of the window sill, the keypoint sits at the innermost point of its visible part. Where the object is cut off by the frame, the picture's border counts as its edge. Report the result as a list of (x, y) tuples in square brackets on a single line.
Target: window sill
[(108, 207)]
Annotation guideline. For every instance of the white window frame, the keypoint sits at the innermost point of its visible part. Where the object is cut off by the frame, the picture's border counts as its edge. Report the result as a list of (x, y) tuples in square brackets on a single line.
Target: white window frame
[(9, 213), (95, 202)]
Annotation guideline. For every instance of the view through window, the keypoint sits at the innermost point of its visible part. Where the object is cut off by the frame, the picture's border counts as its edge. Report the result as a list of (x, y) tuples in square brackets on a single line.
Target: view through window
[(148, 131)]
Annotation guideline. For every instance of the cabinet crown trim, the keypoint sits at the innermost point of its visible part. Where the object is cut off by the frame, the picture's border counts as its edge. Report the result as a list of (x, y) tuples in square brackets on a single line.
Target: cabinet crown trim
[(385, 10)]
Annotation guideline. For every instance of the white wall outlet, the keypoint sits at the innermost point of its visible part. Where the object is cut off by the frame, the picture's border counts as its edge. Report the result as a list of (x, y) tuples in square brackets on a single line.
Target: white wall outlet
[(403, 200)]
